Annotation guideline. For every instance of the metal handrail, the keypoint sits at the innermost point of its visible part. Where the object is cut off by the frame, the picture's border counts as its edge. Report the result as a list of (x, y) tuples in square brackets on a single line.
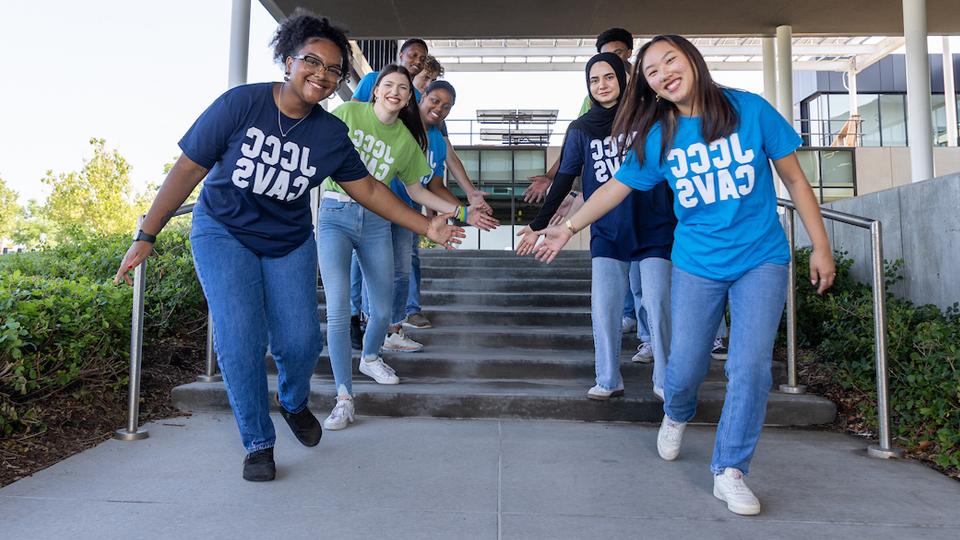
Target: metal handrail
[(133, 432), (884, 449)]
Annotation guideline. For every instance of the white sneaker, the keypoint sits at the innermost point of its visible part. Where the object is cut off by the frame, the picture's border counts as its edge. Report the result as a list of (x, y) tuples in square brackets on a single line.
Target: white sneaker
[(658, 391), (719, 350), (669, 438), (628, 325), (600, 393), (341, 416), (730, 488), (644, 353), (379, 371), (398, 342)]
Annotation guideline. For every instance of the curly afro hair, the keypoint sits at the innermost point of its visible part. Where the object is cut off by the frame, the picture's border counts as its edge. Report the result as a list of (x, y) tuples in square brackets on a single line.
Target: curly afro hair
[(303, 26)]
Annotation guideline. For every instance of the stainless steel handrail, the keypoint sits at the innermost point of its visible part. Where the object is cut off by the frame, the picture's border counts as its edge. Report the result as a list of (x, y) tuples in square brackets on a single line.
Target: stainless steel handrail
[(133, 432), (884, 449)]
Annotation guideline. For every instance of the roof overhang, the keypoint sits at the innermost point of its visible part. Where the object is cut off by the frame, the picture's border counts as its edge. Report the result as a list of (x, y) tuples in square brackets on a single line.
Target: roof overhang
[(398, 19)]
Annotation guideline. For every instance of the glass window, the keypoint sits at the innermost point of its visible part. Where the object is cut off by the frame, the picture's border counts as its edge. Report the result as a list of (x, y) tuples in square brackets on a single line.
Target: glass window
[(527, 163), (836, 168), (496, 166), (869, 107), (471, 162), (839, 114), (833, 194), (893, 121), (938, 106), (809, 162)]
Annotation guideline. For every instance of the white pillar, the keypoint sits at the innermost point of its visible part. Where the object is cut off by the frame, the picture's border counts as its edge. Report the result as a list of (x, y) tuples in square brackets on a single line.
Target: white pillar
[(239, 42), (769, 70), (949, 93), (852, 91), (785, 72), (919, 125)]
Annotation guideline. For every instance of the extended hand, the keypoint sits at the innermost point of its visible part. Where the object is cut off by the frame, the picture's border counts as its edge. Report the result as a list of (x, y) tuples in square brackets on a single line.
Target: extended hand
[(528, 241), (447, 236), (476, 200), (562, 211), (537, 189), (481, 220), (554, 238), (138, 252), (822, 269)]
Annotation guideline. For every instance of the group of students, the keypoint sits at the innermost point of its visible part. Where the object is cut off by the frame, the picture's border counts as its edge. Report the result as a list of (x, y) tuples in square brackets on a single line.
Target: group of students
[(678, 189)]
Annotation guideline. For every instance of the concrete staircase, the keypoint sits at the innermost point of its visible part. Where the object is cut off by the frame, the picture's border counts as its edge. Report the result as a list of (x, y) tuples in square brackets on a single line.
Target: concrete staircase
[(511, 339)]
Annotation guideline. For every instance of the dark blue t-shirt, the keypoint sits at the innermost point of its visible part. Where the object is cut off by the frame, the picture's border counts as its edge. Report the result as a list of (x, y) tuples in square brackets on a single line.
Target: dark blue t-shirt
[(641, 225), (259, 179)]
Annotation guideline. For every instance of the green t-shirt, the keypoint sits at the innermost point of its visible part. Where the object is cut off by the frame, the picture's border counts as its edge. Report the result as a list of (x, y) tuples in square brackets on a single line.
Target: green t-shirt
[(386, 150), (585, 107)]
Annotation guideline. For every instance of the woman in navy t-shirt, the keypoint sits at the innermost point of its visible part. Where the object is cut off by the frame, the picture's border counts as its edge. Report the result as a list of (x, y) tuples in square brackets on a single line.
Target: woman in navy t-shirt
[(637, 232), (261, 148), (713, 147)]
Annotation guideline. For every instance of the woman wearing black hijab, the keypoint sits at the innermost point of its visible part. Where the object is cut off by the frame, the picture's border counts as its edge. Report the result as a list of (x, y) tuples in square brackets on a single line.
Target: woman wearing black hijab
[(639, 231)]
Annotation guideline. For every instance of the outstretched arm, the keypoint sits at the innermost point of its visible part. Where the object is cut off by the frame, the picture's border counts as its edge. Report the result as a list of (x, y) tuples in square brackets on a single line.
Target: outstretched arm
[(433, 201)]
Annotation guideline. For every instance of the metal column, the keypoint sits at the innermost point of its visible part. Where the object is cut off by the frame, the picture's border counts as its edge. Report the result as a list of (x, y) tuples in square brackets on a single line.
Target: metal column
[(769, 70), (239, 42), (919, 124), (785, 72), (949, 93)]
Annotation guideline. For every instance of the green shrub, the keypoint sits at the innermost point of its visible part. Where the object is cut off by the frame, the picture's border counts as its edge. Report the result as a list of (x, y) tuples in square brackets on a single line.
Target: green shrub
[(923, 357), (65, 326)]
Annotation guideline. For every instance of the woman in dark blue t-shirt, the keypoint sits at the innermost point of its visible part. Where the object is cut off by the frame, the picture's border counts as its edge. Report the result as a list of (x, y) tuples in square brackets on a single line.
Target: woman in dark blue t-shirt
[(261, 148), (637, 232)]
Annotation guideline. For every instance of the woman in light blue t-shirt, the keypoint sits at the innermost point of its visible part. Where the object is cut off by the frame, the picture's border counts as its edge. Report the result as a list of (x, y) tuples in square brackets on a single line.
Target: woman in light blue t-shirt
[(713, 147)]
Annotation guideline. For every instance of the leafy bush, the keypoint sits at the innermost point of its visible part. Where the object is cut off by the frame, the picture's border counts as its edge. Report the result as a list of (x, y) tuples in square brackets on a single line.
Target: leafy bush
[(64, 326), (923, 357)]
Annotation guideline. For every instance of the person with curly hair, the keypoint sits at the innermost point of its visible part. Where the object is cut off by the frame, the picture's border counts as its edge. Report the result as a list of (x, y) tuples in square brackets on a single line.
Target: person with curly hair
[(260, 148)]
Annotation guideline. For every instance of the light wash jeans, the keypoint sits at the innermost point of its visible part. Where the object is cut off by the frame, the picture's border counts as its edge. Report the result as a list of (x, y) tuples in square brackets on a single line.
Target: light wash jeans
[(756, 304), (402, 247), (413, 296), (633, 305), (609, 283), (255, 301), (358, 295), (342, 228)]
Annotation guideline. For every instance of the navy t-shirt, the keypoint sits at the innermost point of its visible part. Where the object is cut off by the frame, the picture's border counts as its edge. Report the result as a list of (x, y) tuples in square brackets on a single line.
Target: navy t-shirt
[(259, 179), (641, 225)]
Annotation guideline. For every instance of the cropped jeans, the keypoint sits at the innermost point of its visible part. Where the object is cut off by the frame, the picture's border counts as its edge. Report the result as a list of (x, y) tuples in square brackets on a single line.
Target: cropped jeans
[(413, 296), (610, 282), (633, 305), (756, 302), (344, 227), (254, 301)]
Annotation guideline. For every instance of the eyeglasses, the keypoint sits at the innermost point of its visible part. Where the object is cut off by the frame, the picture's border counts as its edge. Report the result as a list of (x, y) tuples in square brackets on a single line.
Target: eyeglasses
[(317, 65)]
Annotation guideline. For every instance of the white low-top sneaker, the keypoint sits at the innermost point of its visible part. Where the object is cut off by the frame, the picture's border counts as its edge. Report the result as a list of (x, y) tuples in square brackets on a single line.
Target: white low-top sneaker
[(730, 488), (644, 353), (600, 393), (398, 342), (379, 371), (341, 416), (628, 325), (669, 438), (657, 391)]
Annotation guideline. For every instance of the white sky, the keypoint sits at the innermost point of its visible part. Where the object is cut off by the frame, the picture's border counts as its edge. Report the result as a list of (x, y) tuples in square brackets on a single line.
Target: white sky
[(139, 73)]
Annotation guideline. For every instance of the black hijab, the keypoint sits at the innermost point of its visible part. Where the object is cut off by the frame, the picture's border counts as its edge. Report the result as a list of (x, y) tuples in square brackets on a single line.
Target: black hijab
[(598, 121)]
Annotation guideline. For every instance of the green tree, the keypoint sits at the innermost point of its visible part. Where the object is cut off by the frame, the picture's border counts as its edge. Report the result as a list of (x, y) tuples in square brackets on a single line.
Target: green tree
[(9, 209), (32, 228), (97, 200)]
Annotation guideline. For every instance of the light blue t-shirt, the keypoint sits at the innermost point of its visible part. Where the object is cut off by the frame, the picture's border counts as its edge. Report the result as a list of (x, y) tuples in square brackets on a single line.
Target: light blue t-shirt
[(725, 200), (436, 155), (364, 89)]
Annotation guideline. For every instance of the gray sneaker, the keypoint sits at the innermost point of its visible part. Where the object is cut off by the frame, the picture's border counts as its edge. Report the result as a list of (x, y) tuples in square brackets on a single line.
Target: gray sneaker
[(417, 320)]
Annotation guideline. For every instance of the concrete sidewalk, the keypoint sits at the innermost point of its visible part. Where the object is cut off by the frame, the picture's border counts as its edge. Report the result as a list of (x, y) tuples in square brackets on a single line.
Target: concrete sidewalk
[(431, 478)]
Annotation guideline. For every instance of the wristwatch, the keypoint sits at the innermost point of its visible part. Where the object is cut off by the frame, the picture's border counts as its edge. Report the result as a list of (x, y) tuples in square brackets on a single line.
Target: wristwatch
[(144, 237)]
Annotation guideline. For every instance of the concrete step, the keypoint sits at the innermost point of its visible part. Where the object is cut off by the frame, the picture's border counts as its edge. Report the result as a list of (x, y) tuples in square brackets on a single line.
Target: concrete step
[(444, 361), (544, 273), (515, 398), (487, 262), (570, 254), (505, 316), (527, 336), (436, 298), (504, 283)]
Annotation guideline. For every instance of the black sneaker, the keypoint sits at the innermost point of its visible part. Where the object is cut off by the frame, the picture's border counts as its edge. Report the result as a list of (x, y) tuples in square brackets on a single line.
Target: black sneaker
[(303, 424), (719, 351), (259, 466), (356, 333)]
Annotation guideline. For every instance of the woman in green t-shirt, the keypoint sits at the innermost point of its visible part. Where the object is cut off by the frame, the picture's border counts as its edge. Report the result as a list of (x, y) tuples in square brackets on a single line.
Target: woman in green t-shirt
[(390, 138)]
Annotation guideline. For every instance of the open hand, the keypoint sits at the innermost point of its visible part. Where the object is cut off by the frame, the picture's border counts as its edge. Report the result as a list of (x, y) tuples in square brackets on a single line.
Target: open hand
[(478, 202), (528, 241), (537, 189), (481, 220), (138, 252), (446, 235), (554, 238)]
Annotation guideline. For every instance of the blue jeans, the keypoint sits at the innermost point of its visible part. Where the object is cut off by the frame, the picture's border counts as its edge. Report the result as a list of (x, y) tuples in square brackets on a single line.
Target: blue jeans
[(632, 300), (342, 228), (609, 283), (255, 300), (358, 295), (756, 303), (402, 247), (413, 296)]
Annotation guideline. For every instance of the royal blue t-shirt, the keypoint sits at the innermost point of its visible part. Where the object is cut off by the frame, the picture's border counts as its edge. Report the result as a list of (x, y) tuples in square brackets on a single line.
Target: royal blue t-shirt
[(364, 89), (259, 179), (641, 225), (436, 155), (725, 200)]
